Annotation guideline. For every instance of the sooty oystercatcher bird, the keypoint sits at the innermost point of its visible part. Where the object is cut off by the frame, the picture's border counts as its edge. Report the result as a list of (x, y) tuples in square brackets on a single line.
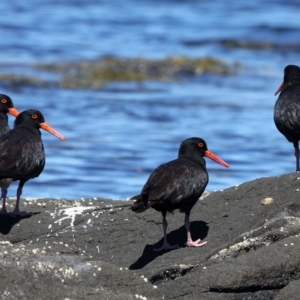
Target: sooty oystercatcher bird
[(22, 155), (6, 106), (178, 184), (287, 108)]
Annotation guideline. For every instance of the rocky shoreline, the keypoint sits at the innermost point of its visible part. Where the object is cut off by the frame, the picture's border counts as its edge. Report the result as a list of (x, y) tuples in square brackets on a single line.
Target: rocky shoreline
[(99, 249)]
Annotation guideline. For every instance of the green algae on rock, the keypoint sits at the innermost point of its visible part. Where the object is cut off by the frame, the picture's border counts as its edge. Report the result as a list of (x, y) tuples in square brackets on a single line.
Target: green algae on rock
[(94, 74), (22, 80), (253, 45)]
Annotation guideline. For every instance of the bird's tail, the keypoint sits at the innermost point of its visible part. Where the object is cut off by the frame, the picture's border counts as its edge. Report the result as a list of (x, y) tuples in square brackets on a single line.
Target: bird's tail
[(139, 205)]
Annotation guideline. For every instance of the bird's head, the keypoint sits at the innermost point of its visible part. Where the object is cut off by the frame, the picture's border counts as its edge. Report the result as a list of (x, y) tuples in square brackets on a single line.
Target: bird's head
[(7, 106), (291, 77), (197, 147), (34, 118)]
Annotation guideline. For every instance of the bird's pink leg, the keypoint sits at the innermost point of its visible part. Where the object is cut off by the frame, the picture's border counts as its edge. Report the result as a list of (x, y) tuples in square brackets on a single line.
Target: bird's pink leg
[(166, 245), (190, 242), (296, 145), (17, 210), (3, 210)]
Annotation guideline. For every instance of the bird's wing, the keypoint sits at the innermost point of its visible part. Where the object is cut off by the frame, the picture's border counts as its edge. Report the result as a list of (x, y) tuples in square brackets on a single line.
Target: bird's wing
[(293, 113), (287, 114), (19, 155), (175, 179)]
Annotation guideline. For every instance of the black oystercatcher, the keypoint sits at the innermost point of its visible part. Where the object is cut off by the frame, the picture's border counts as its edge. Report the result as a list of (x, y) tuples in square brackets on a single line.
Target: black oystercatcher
[(178, 184), (6, 106), (22, 155), (287, 108)]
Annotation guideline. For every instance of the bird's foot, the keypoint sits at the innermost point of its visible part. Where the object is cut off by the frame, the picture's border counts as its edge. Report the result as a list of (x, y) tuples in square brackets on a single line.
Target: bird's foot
[(197, 243), (166, 246), (3, 211)]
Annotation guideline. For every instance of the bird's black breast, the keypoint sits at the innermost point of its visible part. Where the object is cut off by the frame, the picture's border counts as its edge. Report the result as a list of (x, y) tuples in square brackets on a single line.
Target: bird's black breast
[(287, 113), (22, 154), (177, 184), (3, 123)]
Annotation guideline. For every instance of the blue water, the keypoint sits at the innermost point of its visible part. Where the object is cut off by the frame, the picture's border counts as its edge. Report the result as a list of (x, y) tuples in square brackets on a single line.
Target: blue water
[(116, 136)]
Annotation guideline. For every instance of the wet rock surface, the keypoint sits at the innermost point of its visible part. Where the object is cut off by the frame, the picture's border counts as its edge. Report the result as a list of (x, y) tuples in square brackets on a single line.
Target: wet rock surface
[(99, 249)]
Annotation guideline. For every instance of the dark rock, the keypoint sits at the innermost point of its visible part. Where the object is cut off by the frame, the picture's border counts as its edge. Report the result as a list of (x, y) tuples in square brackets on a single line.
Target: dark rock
[(99, 249)]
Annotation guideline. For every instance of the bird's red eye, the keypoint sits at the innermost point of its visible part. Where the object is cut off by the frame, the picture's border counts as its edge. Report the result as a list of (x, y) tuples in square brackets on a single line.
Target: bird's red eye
[(200, 145), (3, 101), (34, 116)]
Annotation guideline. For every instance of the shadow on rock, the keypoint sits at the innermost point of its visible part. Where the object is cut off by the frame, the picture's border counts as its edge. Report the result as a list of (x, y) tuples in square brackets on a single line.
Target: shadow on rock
[(8, 221), (199, 230)]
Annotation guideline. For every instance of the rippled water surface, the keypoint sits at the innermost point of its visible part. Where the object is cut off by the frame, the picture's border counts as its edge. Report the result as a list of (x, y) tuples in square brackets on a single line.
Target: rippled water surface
[(117, 135)]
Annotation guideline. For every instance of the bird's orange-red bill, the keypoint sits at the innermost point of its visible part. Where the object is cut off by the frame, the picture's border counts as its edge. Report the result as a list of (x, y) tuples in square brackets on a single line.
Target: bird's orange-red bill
[(216, 158), (51, 130), (279, 89), (13, 111)]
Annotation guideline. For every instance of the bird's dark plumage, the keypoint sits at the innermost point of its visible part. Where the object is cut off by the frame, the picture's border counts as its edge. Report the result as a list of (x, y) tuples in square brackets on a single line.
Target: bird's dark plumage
[(287, 108), (22, 155), (6, 106), (177, 184)]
